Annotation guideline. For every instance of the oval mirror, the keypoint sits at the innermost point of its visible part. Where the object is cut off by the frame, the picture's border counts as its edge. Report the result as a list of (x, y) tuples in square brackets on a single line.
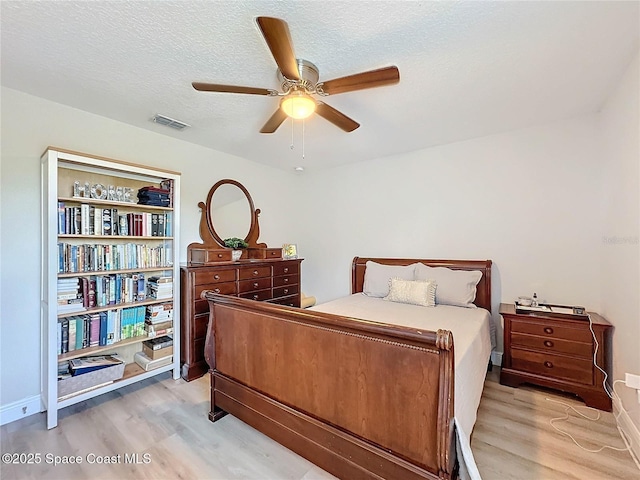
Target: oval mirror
[(230, 211)]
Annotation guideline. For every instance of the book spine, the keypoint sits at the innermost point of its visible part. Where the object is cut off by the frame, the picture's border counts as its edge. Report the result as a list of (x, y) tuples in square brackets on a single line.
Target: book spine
[(103, 329)]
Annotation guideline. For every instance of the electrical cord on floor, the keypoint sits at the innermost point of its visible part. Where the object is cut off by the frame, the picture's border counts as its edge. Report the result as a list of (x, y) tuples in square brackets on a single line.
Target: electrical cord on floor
[(610, 394)]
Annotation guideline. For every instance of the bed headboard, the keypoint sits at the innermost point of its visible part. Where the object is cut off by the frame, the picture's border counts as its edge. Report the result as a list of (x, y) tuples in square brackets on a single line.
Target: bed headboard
[(483, 290)]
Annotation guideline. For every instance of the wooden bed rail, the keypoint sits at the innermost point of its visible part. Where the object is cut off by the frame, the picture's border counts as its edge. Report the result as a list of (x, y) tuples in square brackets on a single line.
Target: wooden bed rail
[(333, 389)]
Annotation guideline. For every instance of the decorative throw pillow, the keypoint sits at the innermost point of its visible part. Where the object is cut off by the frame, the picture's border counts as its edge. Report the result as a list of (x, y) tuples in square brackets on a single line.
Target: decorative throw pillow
[(455, 287), (415, 292), (377, 276)]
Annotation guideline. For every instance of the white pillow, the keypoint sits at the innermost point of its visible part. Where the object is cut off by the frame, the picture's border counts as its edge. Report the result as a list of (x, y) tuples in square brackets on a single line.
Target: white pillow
[(455, 287), (377, 276), (415, 292)]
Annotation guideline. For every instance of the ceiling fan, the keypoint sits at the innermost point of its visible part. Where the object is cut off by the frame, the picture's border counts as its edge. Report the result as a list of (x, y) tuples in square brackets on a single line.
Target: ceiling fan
[(299, 79)]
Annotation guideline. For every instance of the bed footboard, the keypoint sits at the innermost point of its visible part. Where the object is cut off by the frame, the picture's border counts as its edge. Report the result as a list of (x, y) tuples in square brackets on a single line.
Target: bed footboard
[(360, 399)]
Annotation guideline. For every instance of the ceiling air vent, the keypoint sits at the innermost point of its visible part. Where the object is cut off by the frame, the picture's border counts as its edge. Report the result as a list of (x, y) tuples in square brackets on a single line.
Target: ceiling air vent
[(170, 122)]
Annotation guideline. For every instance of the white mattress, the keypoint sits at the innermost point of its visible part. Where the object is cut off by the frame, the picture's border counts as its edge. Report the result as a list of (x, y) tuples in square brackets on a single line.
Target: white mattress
[(472, 348)]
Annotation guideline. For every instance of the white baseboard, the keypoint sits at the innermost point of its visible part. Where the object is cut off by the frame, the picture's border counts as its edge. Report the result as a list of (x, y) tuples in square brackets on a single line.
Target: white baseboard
[(628, 427), (496, 358), (20, 409)]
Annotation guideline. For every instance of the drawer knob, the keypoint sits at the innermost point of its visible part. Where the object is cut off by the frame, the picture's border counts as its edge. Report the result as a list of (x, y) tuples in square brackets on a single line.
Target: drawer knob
[(255, 272), (548, 364), (216, 290), (286, 269), (216, 277), (219, 255), (286, 280), (255, 284), (286, 290), (255, 297), (548, 330), (548, 343)]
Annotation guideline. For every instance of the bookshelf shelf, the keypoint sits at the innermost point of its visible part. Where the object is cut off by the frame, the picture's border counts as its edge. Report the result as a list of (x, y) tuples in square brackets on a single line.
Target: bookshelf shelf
[(64, 217), (96, 350), (108, 272), (96, 201), (115, 237), (152, 301)]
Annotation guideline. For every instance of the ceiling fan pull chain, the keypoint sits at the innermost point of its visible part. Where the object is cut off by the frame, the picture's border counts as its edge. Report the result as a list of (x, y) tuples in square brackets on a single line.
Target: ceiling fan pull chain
[(303, 139), (291, 146)]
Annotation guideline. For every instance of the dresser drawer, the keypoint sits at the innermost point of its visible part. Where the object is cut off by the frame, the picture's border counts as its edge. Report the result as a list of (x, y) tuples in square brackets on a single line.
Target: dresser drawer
[(254, 272), (227, 288), (551, 344), (285, 280), (254, 284), (553, 366), (552, 329), (260, 295), (215, 276), (284, 291), (290, 301), (285, 268)]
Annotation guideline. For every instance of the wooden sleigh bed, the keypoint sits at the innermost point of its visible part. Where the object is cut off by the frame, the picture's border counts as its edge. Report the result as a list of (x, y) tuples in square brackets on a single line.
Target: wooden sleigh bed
[(360, 399)]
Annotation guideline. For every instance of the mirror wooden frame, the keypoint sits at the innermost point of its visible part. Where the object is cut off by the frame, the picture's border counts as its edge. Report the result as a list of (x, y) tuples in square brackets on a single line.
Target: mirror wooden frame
[(212, 248)]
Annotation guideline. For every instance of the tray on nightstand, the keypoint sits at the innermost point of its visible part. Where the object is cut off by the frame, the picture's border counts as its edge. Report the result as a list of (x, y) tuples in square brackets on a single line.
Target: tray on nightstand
[(559, 311)]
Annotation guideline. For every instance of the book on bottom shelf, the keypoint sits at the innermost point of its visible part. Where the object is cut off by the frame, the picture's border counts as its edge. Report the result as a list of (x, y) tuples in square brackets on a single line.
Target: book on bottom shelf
[(149, 364)]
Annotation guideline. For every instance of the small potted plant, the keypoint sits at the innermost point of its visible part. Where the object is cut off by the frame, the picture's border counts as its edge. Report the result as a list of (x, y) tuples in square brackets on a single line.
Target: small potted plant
[(236, 244)]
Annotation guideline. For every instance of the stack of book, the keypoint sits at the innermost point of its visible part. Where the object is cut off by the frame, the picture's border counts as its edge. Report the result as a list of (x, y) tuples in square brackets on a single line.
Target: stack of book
[(159, 319), (70, 297), (155, 196), (82, 365), (160, 287), (156, 352)]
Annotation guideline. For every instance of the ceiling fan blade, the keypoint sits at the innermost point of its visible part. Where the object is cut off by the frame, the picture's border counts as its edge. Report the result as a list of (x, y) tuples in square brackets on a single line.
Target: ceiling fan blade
[(276, 32), (214, 87), (274, 122), (339, 119), (360, 81)]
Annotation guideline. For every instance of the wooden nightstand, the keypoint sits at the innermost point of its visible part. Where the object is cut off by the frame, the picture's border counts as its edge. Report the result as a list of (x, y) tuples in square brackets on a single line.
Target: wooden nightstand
[(557, 353)]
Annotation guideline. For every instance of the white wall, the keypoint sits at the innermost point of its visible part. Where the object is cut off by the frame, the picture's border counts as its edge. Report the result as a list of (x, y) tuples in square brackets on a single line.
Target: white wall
[(29, 125), (523, 199), (620, 244)]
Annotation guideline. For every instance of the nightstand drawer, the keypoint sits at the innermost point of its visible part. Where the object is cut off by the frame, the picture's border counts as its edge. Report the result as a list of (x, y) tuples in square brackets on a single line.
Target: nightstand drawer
[(556, 366), (552, 329), (285, 268), (551, 344), (285, 280)]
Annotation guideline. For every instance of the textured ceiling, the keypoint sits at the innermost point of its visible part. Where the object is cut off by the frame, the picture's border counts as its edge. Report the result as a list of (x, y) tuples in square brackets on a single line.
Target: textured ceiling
[(467, 69)]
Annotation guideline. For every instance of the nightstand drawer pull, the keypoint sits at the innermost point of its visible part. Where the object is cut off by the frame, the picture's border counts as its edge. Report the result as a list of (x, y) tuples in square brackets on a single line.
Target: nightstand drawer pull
[(216, 277), (216, 290), (548, 364), (548, 330), (256, 297), (286, 270), (256, 284), (255, 272), (548, 343)]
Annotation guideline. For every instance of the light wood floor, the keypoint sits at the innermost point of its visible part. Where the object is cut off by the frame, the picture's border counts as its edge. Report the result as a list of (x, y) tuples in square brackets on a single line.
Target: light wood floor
[(167, 420)]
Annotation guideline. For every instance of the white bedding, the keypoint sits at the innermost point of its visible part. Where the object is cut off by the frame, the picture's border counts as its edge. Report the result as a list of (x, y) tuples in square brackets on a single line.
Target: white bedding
[(472, 348)]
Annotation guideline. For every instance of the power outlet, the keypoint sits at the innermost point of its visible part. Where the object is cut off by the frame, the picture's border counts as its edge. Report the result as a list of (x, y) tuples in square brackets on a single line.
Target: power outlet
[(632, 381)]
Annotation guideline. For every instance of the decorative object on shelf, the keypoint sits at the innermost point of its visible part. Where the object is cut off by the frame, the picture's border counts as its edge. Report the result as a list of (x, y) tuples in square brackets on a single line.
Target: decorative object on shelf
[(289, 251), (228, 213)]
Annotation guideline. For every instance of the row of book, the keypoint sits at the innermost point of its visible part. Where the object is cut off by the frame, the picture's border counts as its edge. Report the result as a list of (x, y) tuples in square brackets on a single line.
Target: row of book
[(100, 328), (76, 294), (88, 219), (103, 257)]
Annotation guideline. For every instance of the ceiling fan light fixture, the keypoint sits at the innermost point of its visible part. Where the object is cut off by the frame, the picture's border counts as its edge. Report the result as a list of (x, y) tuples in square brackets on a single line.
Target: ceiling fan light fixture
[(298, 105)]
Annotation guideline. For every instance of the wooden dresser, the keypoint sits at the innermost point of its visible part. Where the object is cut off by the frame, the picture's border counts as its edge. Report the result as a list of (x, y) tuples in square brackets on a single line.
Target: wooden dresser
[(557, 353), (276, 281)]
